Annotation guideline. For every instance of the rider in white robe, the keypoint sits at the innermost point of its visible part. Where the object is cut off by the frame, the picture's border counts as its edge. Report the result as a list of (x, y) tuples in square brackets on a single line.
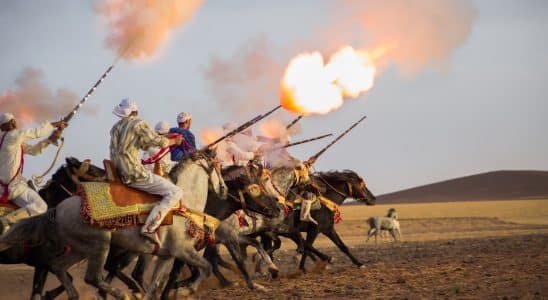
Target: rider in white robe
[(129, 136), (13, 186), (165, 163)]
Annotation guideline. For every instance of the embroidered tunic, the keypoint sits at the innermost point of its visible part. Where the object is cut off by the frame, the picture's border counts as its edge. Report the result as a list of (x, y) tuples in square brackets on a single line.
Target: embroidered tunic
[(10, 156), (128, 137)]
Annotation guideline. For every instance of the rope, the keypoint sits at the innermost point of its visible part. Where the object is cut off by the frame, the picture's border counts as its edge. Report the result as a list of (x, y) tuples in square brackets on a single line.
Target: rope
[(38, 179)]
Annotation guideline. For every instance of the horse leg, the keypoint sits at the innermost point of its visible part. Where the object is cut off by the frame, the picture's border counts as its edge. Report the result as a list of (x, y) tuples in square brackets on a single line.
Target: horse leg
[(233, 249), (334, 237), (311, 235), (192, 258), (211, 253), (96, 262), (38, 281), (272, 268), (393, 234), (172, 279), (157, 282), (66, 280), (138, 272), (52, 294)]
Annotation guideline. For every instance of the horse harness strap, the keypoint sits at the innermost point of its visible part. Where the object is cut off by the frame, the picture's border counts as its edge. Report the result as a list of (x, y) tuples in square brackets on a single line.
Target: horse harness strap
[(337, 190)]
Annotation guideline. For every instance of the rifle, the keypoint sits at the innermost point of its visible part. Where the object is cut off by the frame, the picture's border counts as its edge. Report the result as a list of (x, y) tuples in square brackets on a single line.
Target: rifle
[(293, 122), (241, 127), (314, 157), (301, 142), (70, 115)]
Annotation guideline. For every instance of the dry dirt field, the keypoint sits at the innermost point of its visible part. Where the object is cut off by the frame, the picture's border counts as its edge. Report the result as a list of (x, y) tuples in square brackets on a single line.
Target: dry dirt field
[(465, 250)]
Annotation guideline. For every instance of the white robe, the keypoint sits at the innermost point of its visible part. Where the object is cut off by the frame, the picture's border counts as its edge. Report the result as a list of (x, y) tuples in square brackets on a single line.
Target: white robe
[(10, 159), (230, 154)]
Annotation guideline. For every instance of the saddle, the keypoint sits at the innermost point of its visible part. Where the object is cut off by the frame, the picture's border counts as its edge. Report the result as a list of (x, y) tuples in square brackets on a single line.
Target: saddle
[(8, 207), (112, 204)]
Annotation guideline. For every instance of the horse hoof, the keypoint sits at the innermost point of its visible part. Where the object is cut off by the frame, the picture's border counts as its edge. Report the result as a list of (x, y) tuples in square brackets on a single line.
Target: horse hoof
[(226, 284), (273, 269), (184, 292), (137, 296), (330, 259), (260, 288), (361, 266)]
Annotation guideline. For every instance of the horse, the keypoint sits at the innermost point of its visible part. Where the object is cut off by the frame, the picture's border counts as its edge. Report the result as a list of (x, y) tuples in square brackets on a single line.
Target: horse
[(232, 237), (62, 185), (389, 223), (336, 186), (93, 243)]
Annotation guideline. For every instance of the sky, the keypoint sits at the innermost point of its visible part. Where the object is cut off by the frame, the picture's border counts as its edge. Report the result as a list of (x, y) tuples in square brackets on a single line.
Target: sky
[(486, 110)]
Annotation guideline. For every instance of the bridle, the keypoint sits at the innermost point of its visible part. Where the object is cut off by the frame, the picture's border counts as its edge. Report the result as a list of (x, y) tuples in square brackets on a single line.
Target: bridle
[(349, 187)]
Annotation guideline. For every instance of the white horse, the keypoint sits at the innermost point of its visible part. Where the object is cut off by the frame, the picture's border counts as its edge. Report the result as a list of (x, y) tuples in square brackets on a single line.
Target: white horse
[(389, 223), (87, 241)]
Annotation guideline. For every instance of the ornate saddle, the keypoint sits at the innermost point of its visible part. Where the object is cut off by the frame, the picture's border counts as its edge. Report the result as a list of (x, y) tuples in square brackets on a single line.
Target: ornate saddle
[(112, 204), (6, 208)]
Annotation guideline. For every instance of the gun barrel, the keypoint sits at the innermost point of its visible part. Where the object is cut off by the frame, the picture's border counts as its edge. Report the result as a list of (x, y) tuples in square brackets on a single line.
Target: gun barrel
[(243, 127), (315, 156), (294, 122), (70, 115), (307, 140)]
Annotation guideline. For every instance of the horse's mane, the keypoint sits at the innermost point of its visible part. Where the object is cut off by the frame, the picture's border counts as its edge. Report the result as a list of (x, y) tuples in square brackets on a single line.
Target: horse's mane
[(343, 175), (178, 168)]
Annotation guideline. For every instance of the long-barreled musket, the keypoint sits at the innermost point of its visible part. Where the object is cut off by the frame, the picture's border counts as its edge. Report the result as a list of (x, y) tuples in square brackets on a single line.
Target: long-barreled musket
[(301, 142), (71, 114), (314, 157), (293, 122), (242, 127)]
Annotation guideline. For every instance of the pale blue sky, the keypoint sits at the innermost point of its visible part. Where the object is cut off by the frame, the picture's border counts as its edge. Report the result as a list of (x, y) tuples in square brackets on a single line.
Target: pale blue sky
[(487, 112)]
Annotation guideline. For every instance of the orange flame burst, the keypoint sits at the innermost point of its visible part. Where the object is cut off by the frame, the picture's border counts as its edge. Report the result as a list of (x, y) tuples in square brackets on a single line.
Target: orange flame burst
[(209, 135), (311, 87)]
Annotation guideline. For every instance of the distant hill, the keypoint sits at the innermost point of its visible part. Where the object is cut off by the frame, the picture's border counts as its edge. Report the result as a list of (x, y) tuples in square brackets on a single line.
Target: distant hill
[(497, 185)]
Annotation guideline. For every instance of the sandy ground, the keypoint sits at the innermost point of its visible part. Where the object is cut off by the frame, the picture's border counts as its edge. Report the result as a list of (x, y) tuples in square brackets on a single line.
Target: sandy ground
[(491, 249)]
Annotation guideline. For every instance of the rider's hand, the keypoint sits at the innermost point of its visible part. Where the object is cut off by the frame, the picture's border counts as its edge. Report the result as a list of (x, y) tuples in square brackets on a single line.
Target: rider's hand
[(177, 140), (60, 124)]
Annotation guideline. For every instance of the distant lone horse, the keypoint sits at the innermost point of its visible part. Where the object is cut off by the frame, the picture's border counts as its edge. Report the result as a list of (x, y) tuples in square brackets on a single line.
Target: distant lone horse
[(389, 223)]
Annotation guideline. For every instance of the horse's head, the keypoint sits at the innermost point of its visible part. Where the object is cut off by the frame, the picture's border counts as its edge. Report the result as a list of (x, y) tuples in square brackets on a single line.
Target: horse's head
[(349, 184), (250, 192), (64, 182)]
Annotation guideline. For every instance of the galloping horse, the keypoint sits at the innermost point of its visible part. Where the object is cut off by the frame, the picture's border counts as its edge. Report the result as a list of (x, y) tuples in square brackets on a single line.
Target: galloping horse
[(337, 186), (93, 243), (62, 185)]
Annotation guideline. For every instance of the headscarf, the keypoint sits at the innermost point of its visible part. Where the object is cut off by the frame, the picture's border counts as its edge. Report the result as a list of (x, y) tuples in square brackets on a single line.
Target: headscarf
[(125, 108), (183, 117), (6, 117)]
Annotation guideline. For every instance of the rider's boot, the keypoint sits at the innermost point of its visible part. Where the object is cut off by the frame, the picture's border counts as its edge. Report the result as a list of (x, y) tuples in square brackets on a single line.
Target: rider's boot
[(154, 219), (305, 211), (13, 217)]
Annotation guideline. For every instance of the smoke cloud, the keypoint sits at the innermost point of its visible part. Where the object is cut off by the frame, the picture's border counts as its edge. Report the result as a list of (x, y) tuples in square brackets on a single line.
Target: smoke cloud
[(30, 100), (138, 28), (412, 34), (247, 82)]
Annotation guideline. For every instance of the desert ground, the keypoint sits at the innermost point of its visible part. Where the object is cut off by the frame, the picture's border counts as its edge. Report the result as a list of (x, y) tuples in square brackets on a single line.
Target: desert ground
[(468, 250)]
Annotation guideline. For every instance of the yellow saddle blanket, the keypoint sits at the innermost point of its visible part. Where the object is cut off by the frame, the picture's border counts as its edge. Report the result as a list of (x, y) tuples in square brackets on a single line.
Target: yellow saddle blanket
[(113, 205), (6, 208)]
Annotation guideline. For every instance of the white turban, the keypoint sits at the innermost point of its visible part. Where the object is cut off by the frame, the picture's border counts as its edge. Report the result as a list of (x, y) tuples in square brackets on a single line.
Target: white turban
[(227, 127), (5, 118), (183, 117), (162, 127), (125, 108)]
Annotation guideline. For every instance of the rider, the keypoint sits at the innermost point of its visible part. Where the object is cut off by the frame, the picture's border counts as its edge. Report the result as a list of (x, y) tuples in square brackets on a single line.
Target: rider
[(188, 144), (163, 164), (127, 137), (13, 186), (229, 153)]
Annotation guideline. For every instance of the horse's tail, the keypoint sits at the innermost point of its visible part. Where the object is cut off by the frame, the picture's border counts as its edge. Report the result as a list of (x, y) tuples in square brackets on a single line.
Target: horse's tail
[(34, 230)]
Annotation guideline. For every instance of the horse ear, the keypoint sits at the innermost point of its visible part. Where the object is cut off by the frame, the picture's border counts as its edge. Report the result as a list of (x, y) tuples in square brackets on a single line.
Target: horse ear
[(73, 162)]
